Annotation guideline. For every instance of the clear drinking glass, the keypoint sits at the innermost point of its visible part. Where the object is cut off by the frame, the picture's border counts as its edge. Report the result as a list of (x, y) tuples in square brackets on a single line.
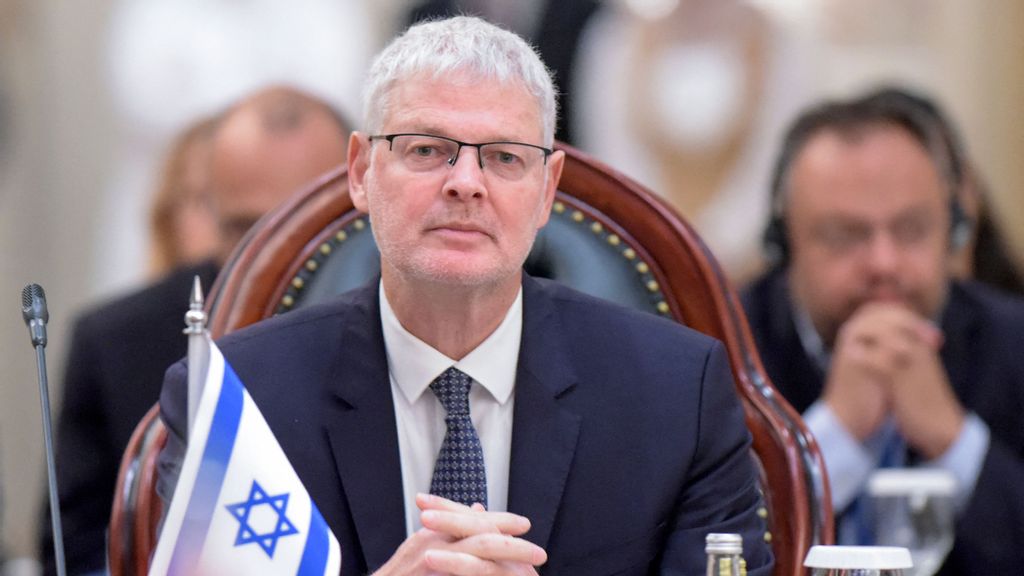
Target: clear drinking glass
[(858, 561), (913, 508)]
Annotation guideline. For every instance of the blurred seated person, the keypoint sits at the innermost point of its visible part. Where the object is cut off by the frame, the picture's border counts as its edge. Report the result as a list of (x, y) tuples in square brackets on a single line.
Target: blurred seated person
[(182, 225), (262, 149), (863, 329), (590, 438)]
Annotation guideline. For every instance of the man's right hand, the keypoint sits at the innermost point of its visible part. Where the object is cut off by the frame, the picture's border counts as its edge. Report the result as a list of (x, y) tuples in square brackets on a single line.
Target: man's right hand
[(457, 539), (871, 349)]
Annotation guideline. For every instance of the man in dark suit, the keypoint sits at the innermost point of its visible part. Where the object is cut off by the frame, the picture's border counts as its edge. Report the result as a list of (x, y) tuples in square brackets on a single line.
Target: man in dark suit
[(263, 149), (862, 329), (593, 439)]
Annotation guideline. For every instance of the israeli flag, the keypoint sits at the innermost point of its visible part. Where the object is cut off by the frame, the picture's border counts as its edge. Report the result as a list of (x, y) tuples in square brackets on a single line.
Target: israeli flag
[(239, 507)]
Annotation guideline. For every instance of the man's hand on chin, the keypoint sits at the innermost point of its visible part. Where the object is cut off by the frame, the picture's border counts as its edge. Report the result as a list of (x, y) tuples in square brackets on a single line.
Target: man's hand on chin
[(457, 539)]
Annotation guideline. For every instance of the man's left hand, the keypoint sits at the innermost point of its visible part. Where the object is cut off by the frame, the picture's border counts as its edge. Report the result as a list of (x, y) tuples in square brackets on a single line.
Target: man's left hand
[(927, 411)]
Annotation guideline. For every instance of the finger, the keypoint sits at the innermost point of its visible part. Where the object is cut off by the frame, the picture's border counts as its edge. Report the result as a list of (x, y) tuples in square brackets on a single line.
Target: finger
[(432, 502), (458, 563), (503, 548), (888, 348), (461, 524), (886, 320), (874, 362), (512, 559), (931, 334), (506, 522)]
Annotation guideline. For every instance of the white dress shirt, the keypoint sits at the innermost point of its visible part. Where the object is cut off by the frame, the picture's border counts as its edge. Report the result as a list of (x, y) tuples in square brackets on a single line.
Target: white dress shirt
[(419, 416)]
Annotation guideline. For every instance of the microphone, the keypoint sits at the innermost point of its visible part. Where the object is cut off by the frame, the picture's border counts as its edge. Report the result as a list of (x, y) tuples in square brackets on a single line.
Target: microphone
[(33, 310)]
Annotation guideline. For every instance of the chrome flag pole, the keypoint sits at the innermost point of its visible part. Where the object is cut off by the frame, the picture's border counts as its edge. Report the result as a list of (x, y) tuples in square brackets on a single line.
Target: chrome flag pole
[(198, 349)]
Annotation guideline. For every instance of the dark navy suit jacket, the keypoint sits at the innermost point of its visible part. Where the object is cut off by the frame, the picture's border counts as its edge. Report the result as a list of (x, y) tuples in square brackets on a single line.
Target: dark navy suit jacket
[(983, 354), (628, 441)]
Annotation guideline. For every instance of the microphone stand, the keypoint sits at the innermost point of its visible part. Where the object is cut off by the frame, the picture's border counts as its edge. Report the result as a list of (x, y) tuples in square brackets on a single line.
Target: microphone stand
[(51, 466)]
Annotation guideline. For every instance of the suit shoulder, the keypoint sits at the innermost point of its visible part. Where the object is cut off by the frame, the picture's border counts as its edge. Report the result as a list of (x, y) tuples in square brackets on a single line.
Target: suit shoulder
[(355, 306)]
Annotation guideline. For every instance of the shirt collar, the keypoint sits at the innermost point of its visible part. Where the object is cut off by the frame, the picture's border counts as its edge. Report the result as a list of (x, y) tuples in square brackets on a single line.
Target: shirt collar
[(414, 364)]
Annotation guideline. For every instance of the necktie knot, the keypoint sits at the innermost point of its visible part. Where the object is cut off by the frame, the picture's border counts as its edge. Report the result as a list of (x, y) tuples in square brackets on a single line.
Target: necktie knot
[(452, 390)]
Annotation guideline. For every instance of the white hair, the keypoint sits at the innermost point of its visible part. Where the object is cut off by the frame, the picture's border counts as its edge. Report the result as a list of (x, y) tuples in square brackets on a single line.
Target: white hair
[(461, 43)]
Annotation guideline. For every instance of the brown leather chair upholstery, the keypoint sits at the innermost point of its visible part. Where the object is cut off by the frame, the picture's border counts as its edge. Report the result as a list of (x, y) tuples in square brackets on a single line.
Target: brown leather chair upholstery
[(136, 512), (607, 236)]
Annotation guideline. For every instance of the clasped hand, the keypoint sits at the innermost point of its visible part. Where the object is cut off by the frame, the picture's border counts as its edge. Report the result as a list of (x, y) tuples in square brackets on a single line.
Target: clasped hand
[(886, 363), (465, 540)]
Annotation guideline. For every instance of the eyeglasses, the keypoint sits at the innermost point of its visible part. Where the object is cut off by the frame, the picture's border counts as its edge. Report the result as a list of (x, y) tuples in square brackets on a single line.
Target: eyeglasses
[(427, 153), (840, 236)]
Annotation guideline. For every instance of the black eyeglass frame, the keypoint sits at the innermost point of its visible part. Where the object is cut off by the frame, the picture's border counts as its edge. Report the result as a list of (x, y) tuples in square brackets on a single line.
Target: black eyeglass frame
[(390, 138)]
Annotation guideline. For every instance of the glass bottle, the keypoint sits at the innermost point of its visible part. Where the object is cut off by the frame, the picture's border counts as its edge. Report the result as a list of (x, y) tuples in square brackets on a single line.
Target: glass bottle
[(725, 555)]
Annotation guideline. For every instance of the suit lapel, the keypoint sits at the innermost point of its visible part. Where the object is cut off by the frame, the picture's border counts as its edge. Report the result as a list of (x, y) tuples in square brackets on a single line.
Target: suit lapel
[(793, 371), (544, 433), (362, 433), (960, 323)]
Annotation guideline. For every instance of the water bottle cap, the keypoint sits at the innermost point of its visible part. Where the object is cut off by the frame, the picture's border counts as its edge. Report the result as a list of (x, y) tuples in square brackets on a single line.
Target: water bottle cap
[(906, 481), (723, 544), (858, 557)]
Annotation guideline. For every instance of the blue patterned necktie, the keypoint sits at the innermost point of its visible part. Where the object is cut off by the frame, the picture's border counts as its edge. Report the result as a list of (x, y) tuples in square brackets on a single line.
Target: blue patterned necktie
[(856, 522), (459, 470)]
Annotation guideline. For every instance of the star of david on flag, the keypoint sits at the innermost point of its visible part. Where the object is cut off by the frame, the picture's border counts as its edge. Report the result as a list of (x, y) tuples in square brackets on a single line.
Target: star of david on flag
[(247, 533), (239, 507)]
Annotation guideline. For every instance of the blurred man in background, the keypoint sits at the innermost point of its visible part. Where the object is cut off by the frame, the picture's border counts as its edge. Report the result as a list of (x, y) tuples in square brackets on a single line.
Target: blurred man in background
[(861, 327), (261, 150)]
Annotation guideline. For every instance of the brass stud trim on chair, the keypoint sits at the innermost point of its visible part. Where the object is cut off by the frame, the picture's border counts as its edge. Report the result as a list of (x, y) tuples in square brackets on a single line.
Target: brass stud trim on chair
[(659, 301), (313, 264)]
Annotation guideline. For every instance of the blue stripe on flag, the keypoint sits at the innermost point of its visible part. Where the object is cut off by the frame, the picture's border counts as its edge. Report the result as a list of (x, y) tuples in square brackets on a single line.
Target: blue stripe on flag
[(314, 557), (210, 477)]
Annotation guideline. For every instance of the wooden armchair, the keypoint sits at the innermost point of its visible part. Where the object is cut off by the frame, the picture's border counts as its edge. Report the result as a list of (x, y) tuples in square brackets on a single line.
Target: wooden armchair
[(607, 236)]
